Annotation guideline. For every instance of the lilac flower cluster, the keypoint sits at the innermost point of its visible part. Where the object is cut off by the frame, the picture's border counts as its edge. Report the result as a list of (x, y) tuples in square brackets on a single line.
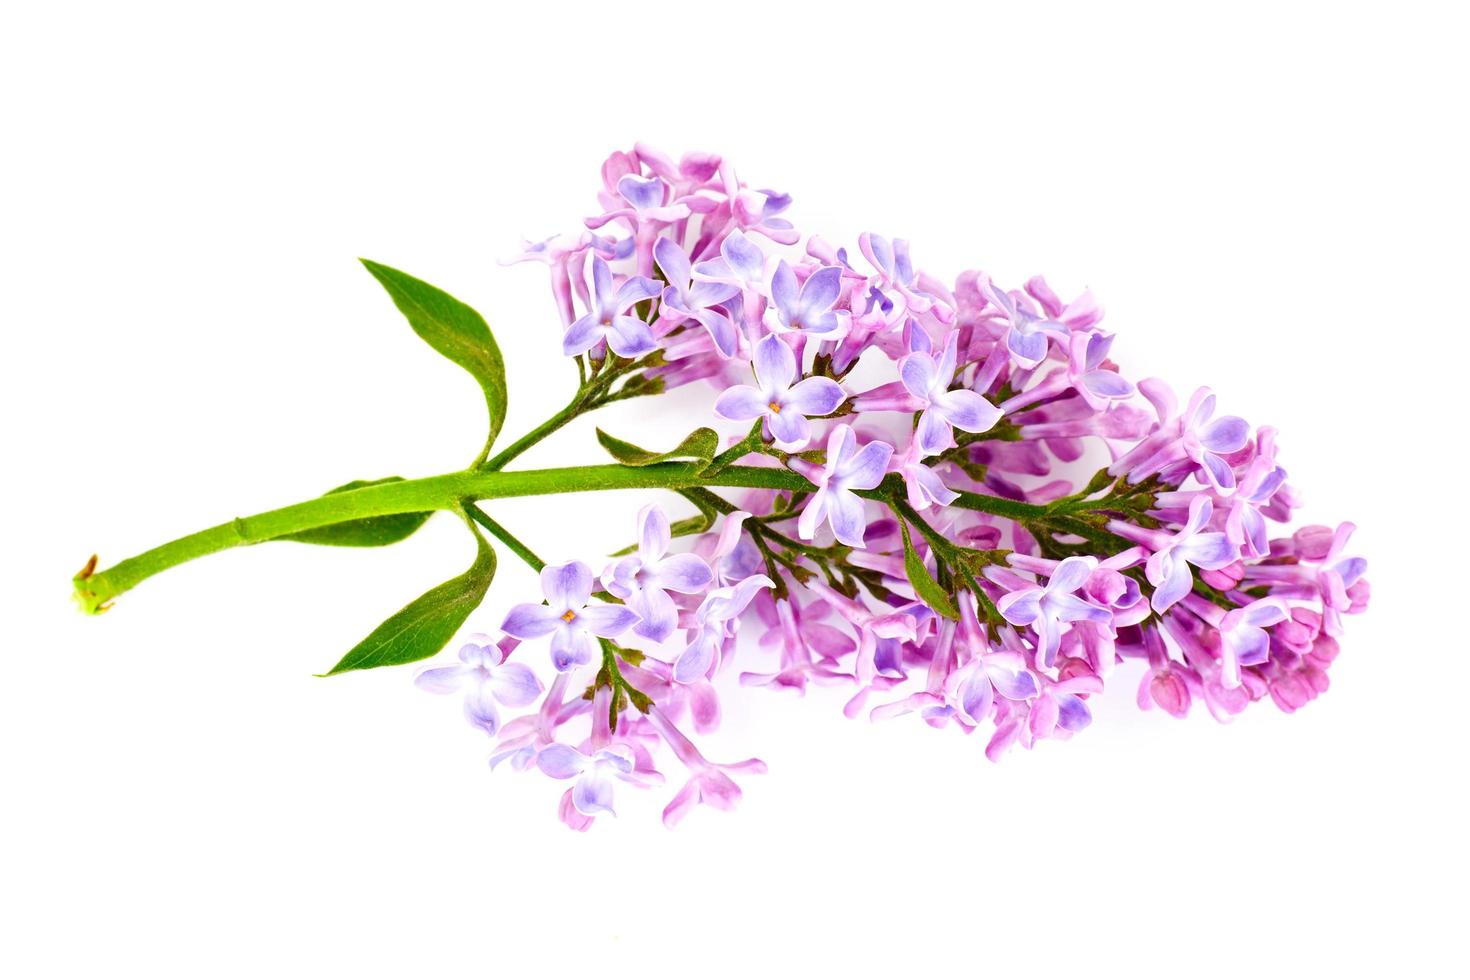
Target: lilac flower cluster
[(939, 554)]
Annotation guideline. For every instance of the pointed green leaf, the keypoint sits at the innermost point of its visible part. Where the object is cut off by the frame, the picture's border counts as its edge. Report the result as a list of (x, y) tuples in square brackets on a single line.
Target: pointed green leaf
[(423, 627), (924, 585), (366, 532), (700, 445), (454, 330)]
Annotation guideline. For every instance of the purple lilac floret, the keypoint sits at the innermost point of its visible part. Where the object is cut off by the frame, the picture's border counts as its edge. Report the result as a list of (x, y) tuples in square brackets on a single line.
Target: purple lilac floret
[(1173, 558)]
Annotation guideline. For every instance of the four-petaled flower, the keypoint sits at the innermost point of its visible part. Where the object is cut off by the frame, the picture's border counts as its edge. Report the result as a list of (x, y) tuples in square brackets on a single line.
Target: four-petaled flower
[(807, 308), (488, 678), (848, 468), (572, 624), (1097, 386), (784, 406), (924, 486), (1167, 568), (895, 269), (711, 626), (645, 579), (709, 782), (1207, 441), (593, 791), (928, 381), (1026, 333), (971, 690), (607, 317), (695, 302), (1243, 638), (1338, 574), (1246, 526), (741, 264), (1047, 608), (647, 198)]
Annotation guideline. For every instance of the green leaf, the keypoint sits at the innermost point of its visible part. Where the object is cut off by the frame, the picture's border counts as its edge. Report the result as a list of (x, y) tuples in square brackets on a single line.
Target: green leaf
[(700, 445), (366, 532), (924, 585), (423, 627), (1101, 480), (454, 330)]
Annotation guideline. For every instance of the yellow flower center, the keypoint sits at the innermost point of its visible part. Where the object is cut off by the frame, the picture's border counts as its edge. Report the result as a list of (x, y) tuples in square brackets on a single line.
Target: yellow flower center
[(775, 407), (568, 616)]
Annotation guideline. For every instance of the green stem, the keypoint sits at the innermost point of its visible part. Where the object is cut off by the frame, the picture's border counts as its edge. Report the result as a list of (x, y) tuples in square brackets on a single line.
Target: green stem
[(448, 492), (593, 393), (575, 408), (518, 549)]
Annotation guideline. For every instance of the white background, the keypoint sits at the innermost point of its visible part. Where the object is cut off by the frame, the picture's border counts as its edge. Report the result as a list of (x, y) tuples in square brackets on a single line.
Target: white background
[(1271, 201)]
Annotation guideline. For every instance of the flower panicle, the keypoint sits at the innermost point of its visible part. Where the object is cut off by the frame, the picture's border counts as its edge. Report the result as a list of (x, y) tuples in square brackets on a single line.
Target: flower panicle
[(887, 575)]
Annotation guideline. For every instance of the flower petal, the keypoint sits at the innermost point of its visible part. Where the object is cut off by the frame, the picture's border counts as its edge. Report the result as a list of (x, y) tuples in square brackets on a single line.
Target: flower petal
[(774, 363), (1072, 713), (813, 514), (968, 410), (1029, 349), (784, 292), (593, 794), (571, 646), (696, 661), (1107, 384), (602, 289), (1218, 471), (684, 573), (514, 685), (674, 262), (721, 331), (1225, 435), (845, 513), (920, 375), (1014, 685), (1071, 609), (1210, 550), (630, 337), (867, 468), (1200, 512), (480, 711), (742, 255), (581, 335), (642, 194), (443, 680), (841, 445), (789, 429), (976, 695), (653, 534), (814, 396), (1173, 583), (566, 586), (606, 620), (741, 404), (529, 620), (933, 434), (1264, 612), (1071, 574), (685, 800), (725, 604), (1020, 608), (658, 616), (821, 290), (561, 761)]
